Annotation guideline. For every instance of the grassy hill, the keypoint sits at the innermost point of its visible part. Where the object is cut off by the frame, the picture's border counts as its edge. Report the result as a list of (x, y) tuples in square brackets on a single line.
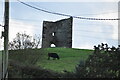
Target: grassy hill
[(0, 55), (69, 58), (0, 63)]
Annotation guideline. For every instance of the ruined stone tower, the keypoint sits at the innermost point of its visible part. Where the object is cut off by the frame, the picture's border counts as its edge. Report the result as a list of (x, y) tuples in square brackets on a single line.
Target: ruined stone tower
[(58, 33)]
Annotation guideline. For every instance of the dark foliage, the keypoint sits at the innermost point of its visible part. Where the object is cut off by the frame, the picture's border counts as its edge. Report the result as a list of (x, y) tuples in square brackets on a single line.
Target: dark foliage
[(102, 64), (18, 70), (27, 56)]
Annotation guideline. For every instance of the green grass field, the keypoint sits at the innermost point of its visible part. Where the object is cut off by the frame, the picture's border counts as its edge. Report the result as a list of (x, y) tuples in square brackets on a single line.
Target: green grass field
[(69, 58), (0, 54), (0, 63)]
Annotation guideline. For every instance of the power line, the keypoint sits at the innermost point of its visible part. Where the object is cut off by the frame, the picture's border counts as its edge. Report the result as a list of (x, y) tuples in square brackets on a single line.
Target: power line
[(35, 20), (77, 14), (96, 32), (21, 26), (67, 15), (63, 14), (100, 13), (73, 30), (39, 25), (96, 37)]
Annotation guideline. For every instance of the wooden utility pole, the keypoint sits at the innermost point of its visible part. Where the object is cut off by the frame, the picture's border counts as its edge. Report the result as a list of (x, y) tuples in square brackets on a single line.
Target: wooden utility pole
[(6, 39)]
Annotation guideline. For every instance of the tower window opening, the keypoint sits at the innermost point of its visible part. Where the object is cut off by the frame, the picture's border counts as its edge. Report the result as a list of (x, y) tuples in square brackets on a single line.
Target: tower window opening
[(52, 45), (53, 34)]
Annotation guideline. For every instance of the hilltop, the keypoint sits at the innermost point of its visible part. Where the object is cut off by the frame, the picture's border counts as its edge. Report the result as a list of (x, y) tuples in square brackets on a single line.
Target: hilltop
[(69, 58)]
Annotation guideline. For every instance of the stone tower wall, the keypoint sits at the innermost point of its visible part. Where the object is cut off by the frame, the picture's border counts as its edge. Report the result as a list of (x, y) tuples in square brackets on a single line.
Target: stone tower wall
[(58, 33)]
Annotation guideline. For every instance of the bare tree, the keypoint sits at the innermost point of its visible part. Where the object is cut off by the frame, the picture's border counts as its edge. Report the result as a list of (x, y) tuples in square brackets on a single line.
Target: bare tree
[(24, 41)]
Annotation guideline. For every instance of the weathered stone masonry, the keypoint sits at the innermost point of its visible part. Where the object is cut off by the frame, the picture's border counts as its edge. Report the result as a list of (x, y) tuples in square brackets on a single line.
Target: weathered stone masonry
[(58, 33)]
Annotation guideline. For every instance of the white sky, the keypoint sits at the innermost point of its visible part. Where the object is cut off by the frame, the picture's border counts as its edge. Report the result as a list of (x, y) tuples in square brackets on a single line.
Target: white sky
[(86, 33), (67, 0)]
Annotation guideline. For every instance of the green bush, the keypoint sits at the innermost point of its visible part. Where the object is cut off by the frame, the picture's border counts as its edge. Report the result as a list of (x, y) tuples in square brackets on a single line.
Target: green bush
[(100, 65), (18, 70), (26, 56)]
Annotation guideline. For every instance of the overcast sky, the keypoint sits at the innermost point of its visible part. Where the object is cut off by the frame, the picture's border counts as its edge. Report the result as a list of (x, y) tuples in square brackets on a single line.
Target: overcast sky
[(86, 33)]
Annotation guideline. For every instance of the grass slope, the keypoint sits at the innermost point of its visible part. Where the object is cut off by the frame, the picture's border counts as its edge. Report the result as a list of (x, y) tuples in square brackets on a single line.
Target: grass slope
[(0, 64), (69, 58), (0, 55)]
